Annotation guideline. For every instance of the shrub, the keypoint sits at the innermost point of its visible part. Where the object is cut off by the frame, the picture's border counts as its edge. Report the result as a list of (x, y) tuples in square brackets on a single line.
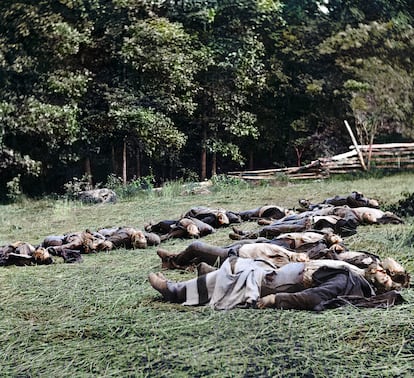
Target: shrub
[(404, 207), (14, 190), (225, 182), (77, 185), (137, 186)]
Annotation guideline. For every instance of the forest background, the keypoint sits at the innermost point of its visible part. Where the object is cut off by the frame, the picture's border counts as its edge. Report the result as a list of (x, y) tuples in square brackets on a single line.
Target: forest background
[(168, 89)]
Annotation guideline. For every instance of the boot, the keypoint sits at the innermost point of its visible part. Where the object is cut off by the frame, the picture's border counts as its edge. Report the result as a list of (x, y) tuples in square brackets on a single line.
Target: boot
[(167, 260), (234, 236), (159, 283), (174, 292)]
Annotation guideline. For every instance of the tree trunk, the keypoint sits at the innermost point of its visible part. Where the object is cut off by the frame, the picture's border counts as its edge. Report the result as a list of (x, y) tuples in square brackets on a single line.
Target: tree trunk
[(299, 153), (124, 163), (88, 170), (214, 164), (138, 162), (113, 160), (251, 162), (204, 154), (370, 152), (371, 142)]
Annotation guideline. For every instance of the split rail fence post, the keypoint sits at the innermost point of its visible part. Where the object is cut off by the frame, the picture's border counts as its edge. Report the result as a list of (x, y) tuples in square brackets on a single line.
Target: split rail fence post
[(354, 142)]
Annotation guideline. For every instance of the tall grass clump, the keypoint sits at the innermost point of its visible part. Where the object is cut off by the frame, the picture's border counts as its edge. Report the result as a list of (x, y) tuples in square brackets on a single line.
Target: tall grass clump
[(14, 192), (224, 183), (172, 189), (139, 186)]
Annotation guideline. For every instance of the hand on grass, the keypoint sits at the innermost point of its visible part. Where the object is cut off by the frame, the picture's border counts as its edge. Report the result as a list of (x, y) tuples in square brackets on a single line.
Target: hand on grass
[(267, 301)]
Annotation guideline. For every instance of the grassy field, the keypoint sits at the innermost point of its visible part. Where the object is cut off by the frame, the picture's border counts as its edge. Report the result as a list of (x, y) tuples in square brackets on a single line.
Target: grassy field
[(101, 318)]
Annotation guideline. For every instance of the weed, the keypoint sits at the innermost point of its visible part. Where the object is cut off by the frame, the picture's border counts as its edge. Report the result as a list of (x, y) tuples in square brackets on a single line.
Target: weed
[(76, 185), (137, 186), (14, 191), (224, 182)]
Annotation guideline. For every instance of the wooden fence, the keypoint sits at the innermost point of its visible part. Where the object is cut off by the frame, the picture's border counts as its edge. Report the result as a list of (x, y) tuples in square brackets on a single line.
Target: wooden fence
[(397, 156)]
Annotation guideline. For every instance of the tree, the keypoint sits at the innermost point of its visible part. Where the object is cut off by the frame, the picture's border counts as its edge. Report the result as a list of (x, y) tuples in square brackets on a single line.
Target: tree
[(162, 64), (378, 76), (232, 75), (39, 97)]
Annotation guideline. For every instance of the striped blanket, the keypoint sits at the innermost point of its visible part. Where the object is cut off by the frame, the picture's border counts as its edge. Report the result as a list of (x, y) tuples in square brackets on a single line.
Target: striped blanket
[(236, 284)]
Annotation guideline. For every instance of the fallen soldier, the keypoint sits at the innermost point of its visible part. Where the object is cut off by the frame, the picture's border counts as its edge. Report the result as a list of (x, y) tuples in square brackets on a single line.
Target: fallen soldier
[(20, 254), (281, 250), (270, 212), (293, 223), (183, 228), (297, 240), (216, 218), (376, 216), (84, 242), (314, 243), (198, 252), (257, 283), (373, 264), (355, 199), (360, 215), (281, 226), (124, 237)]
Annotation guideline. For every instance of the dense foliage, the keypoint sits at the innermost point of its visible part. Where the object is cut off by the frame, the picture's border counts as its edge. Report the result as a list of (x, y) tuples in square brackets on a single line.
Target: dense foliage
[(190, 88)]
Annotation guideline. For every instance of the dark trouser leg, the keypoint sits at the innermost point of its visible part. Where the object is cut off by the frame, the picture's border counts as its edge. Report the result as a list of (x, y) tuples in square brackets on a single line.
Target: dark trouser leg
[(309, 299), (77, 245), (247, 241), (198, 252), (283, 227), (177, 292)]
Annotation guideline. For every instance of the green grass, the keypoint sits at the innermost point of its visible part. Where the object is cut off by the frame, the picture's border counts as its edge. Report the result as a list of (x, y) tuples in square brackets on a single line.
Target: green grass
[(101, 318)]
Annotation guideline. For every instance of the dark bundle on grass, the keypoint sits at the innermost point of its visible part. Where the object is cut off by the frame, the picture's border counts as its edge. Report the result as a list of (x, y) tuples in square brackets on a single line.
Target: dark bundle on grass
[(404, 207)]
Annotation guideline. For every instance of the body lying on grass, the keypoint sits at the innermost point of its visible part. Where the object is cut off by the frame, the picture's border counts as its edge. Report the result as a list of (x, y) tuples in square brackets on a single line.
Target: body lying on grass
[(70, 246), (198, 252), (128, 237), (197, 222), (216, 218), (295, 246), (299, 223), (105, 239), (313, 285), (21, 253), (342, 220), (355, 199), (317, 247), (83, 241), (269, 212), (186, 227)]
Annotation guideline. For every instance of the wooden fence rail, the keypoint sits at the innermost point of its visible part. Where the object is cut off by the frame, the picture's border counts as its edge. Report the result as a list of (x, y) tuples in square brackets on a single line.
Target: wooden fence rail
[(398, 156)]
